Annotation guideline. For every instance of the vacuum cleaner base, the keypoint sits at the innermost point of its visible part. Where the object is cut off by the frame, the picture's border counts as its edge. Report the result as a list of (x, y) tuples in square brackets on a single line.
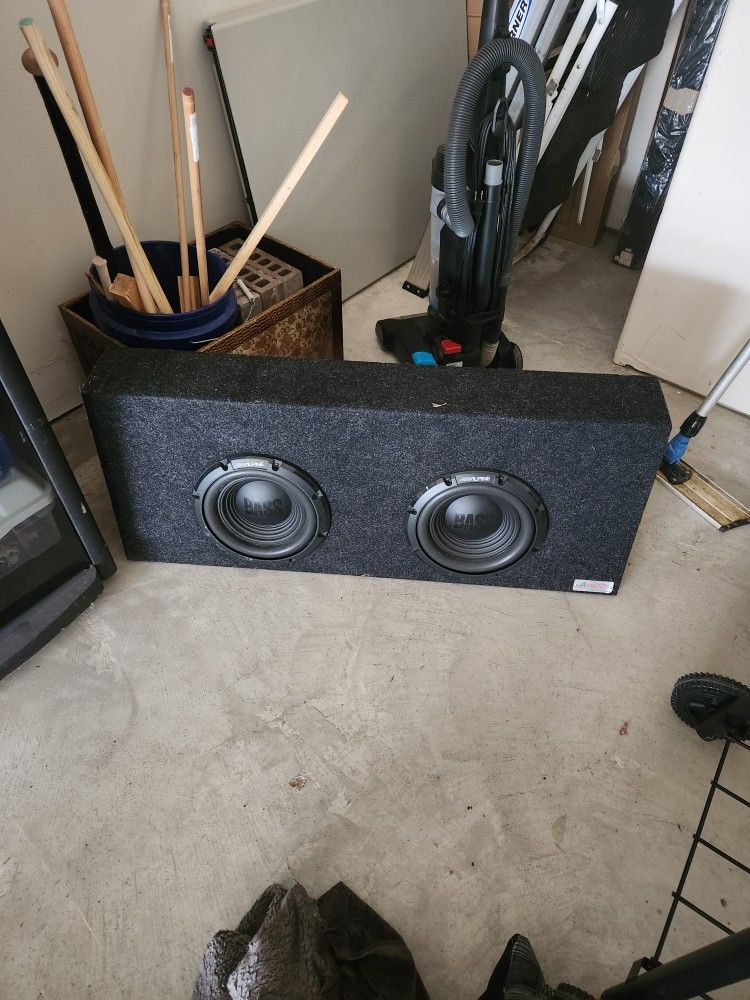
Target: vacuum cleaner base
[(406, 337)]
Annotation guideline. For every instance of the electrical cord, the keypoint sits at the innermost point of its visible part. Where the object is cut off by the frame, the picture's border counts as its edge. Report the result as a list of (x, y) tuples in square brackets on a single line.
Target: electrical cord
[(498, 131), (506, 237)]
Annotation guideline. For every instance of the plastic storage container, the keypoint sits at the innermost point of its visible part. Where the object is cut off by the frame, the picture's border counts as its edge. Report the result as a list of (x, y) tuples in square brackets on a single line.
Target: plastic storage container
[(181, 331)]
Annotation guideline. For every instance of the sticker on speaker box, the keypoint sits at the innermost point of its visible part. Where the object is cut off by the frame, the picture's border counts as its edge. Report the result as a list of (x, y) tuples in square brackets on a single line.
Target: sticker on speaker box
[(594, 586)]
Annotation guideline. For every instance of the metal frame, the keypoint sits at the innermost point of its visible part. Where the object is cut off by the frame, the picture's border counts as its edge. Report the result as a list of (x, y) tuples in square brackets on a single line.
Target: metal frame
[(727, 961), (15, 384), (723, 963)]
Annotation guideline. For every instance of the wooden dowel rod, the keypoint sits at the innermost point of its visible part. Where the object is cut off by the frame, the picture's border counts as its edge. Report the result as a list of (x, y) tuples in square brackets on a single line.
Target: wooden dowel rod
[(77, 68), (278, 201), (82, 85), (83, 140), (166, 21), (104, 278), (194, 172)]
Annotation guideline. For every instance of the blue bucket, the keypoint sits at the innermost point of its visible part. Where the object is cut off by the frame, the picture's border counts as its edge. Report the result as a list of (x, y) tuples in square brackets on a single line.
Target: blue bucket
[(185, 331)]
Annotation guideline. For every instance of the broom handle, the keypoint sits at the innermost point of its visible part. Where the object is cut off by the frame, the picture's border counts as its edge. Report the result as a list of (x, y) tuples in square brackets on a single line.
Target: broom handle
[(278, 201), (85, 145), (194, 172), (89, 207), (725, 381), (74, 59), (77, 68), (179, 180)]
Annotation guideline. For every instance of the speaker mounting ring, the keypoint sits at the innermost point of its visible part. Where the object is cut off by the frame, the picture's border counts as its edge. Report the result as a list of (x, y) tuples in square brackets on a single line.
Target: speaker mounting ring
[(262, 508), (477, 522)]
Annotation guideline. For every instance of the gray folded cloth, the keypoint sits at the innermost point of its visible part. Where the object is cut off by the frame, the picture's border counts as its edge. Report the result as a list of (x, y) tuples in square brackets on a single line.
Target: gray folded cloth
[(288, 947)]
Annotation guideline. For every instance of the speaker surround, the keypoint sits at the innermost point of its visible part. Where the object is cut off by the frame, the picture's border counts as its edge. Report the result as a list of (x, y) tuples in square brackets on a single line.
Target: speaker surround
[(360, 444), (262, 508), (477, 522)]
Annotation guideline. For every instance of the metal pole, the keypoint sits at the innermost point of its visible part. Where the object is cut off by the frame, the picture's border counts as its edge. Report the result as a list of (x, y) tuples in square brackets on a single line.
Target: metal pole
[(725, 381), (720, 964)]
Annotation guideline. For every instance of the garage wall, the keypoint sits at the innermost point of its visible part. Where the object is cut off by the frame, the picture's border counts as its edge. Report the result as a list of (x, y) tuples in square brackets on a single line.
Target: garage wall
[(45, 246)]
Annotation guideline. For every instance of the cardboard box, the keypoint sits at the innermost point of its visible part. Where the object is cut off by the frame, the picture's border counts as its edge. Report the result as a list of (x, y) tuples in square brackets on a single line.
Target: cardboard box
[(601, 188), (308, 324), (473, 25)]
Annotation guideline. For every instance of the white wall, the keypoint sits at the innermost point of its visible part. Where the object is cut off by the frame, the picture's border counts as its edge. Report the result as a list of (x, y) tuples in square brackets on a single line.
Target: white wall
[(45, 245), (649, 102), (691, 312)]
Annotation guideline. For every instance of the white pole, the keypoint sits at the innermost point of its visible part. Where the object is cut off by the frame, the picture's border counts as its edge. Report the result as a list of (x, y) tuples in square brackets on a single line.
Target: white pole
[(537, 12), (542, 48), (569, 47), (576, 75)]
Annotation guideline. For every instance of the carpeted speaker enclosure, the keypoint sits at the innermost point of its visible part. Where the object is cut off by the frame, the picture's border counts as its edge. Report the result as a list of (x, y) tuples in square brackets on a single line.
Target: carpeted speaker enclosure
[(374, 437)]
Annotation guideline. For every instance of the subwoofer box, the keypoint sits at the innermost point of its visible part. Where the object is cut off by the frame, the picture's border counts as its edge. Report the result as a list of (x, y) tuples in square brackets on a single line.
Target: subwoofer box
[(532, 479)]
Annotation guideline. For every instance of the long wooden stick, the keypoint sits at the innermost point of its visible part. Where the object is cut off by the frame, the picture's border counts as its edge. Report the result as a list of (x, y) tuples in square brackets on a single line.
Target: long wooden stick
[(93, 120), (194, 172), (83, 140), (166, 23), (278, 201), (74, 59)]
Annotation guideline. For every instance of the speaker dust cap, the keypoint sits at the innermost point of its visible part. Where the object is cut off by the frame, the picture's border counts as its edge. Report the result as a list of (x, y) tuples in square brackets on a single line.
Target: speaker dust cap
[(477, 522), (262, 508)]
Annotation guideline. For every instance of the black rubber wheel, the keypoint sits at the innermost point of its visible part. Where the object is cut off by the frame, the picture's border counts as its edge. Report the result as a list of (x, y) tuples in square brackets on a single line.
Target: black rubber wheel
[(696, 696), (511, 358)]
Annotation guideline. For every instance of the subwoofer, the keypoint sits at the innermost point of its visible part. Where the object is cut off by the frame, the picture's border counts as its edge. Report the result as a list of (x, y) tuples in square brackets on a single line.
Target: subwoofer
[(477, 522), (262, 508), (530, 479)]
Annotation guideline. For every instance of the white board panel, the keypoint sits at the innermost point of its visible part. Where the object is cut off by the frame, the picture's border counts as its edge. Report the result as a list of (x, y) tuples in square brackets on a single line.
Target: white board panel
[(364, 201)]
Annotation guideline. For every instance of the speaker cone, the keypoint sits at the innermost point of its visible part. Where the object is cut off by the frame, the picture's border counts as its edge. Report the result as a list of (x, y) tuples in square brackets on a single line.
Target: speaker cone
[(477, 522), (263, 508)]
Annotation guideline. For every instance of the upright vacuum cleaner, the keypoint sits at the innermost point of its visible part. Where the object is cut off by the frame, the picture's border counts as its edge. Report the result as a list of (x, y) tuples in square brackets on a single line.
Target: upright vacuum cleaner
[(481, 180)]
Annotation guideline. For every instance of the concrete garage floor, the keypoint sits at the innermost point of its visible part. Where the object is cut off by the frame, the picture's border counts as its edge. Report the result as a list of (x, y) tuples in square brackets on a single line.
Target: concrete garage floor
[(474, 763)]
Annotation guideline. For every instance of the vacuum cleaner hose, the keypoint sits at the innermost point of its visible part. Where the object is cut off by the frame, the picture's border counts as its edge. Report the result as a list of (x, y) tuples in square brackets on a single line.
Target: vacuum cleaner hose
[(500, 52)]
